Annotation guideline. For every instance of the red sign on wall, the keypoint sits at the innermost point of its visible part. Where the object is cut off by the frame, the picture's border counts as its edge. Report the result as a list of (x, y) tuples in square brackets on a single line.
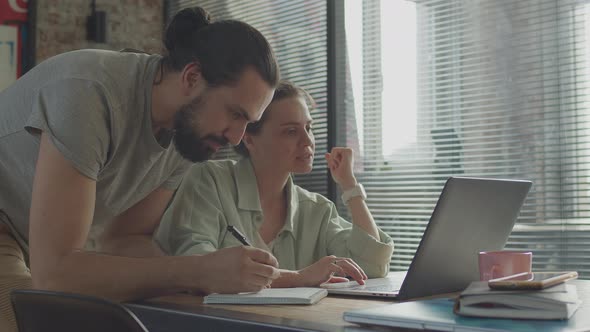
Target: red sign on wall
[(12, 11), (13, 26)]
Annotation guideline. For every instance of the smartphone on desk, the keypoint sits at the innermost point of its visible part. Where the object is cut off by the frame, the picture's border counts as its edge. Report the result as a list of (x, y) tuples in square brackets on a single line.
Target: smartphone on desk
[(532, 280)]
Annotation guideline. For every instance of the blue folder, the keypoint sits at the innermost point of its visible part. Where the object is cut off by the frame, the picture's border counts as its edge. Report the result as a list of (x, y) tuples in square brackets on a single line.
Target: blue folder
[(438, 315)]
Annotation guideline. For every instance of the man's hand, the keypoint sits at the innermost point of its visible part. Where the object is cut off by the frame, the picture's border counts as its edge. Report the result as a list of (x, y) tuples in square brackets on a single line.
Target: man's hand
[(234, 270)]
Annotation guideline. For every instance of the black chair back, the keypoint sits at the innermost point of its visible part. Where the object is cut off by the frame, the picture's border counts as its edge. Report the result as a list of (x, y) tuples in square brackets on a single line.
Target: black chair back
[(38, 310)]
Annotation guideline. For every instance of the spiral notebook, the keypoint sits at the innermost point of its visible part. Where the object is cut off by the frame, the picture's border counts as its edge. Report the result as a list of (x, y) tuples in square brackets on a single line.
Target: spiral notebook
[(298, 295)]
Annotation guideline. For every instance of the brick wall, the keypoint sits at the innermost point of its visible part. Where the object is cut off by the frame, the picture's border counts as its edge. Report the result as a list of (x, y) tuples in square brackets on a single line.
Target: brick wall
[(61, 25)]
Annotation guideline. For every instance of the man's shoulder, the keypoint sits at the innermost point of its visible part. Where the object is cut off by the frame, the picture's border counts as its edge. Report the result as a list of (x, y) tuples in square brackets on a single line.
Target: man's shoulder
[(90, 58), (83, 55), (107, 67)]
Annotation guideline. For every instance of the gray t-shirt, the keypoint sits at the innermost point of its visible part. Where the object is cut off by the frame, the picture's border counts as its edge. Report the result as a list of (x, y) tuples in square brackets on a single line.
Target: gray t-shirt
[(96, 107)]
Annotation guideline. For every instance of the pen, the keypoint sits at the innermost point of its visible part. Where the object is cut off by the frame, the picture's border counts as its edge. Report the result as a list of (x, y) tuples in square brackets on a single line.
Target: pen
[(234, 231)]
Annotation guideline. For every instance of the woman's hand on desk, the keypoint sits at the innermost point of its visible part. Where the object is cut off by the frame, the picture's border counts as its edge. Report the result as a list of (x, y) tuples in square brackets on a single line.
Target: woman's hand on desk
[(234, 270), (332, 269)]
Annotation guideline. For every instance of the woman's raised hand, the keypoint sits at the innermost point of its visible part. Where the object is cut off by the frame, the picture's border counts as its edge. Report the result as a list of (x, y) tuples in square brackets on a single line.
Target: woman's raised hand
[(340, 161)]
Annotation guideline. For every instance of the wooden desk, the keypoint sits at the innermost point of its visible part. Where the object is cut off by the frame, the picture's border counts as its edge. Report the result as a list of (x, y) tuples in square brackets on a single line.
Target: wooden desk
[(188, 313)]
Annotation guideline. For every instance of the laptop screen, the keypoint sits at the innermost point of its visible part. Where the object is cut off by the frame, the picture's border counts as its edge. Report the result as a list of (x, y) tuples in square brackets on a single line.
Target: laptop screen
[(471, 215)]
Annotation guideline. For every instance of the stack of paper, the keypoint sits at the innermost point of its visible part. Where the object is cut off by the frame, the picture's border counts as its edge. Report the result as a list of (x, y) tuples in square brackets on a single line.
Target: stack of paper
[(299, 295), (557, 302)]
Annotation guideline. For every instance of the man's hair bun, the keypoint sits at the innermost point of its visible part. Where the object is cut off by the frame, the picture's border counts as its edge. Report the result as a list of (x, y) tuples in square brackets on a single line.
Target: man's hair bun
[(183, 25)]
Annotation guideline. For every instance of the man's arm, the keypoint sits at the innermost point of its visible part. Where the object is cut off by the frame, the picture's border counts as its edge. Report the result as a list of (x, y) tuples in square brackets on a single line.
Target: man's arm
[(61, 213), (130, 234)]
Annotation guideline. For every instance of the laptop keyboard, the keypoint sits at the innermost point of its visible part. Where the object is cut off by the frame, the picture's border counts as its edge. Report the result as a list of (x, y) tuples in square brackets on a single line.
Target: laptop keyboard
[(387, 286), (383, 284), (382, 288)]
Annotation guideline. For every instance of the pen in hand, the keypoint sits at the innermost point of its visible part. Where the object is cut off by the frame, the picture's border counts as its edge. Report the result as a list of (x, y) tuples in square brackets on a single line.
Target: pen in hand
[(239, 236)]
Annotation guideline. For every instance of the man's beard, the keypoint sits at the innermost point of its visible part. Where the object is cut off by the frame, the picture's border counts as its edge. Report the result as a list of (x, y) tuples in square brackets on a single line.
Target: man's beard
[(187, 137)]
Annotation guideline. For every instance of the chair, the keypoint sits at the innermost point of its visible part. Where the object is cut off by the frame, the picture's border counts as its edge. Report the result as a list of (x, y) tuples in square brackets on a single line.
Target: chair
[(38, 310)]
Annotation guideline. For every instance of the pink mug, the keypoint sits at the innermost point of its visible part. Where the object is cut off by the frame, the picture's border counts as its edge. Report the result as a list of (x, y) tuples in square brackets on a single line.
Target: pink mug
[(497, 264)]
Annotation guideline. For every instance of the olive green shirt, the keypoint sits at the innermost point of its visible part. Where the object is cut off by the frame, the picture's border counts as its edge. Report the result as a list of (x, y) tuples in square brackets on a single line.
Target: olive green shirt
[(216, 194)]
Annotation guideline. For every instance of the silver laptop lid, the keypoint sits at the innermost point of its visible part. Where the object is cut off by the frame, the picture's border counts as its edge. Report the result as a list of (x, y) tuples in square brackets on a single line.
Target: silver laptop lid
[(471, 215)]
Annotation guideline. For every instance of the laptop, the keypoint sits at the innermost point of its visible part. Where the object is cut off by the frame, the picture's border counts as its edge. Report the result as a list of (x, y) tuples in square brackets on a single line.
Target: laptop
[(471, 215)]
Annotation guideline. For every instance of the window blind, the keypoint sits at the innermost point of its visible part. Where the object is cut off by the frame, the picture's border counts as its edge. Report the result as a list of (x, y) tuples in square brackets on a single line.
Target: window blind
[(297, 31), (500, 90)]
